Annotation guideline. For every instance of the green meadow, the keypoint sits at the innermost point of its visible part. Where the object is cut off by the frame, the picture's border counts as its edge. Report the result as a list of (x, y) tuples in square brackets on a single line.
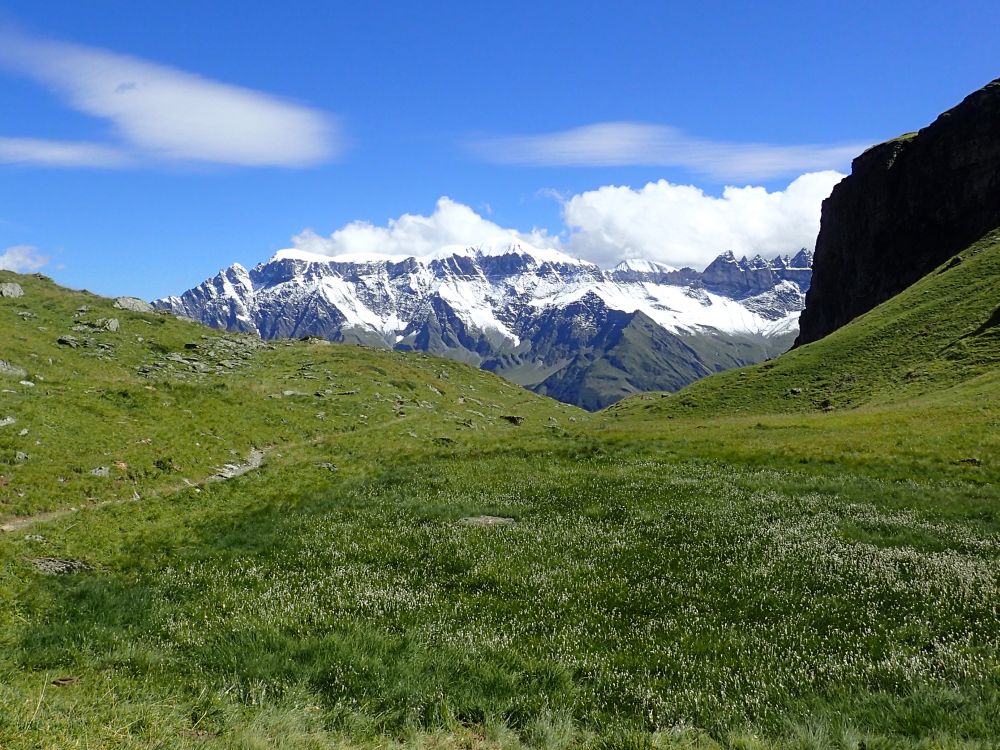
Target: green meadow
[(803, 554)]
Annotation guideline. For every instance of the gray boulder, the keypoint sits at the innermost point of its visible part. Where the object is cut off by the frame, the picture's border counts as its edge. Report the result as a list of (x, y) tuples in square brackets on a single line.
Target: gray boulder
[(57, 566), (134, 304), (12, 371), (11, 290)]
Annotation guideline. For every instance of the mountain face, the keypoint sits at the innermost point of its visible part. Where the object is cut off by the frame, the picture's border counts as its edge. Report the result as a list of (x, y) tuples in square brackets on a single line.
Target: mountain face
[(908, 205), (558, 325)]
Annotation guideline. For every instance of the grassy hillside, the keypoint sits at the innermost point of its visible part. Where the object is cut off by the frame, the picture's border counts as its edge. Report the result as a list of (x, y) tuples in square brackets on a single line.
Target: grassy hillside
[(639, 355), (161, 402), (942, 331), (431, 557)]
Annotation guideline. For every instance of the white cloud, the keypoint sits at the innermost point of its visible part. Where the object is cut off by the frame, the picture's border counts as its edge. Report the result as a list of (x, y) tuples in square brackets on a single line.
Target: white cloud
[(22, 259), (675, 224), (682, 226), (630, 143), (59, 153), (167, 114), (453, 226)]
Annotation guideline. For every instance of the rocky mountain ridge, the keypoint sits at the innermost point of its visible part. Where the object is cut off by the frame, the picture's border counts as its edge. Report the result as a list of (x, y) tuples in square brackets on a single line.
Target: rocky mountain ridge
[(538, 317), (908, 206)]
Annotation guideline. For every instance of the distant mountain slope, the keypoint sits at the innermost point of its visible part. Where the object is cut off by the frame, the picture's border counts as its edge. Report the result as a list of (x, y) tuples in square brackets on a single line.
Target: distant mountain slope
[(538, 317), (940, 333), (908, 205)]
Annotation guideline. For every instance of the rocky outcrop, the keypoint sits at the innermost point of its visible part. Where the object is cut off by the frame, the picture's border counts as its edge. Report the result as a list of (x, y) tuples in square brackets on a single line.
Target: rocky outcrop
[(134, 304), (746, 278), (908, 205)]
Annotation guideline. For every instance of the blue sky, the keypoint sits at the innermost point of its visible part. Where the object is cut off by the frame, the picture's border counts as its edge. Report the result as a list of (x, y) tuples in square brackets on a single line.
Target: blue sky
[(143, 146)]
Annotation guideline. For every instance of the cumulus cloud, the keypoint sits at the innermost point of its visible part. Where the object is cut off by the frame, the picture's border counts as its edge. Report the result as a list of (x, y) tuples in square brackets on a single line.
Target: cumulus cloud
[(22, 259), (675, 224), (612, 144), (682, 226), (452, 226), (162, 113)]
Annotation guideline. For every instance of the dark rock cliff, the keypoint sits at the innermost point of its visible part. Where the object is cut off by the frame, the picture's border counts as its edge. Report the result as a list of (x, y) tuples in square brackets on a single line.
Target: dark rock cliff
[(908, 205)]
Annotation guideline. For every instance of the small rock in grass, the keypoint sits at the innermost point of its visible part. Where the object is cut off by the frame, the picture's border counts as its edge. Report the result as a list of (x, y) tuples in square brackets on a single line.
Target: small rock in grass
[(100, 471), (513, 418), (13, 371), (70, 341), (58, 566), (27, 384), (7, 421), (200, 734), (11, 290), (21, 457), (487, 521)]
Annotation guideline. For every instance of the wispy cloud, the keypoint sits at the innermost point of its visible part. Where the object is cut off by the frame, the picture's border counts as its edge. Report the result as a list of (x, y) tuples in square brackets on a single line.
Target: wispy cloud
[(60, 153), (22, 259), (614, 144), (159, 113)]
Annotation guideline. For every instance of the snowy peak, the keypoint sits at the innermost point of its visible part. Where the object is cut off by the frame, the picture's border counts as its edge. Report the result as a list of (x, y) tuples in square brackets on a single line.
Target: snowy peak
[(495, 288), (527, 253), (638, 265), (494, 306)]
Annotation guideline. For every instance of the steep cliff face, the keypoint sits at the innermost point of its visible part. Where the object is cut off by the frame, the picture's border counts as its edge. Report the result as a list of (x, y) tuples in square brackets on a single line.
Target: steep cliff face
[(908, 205)]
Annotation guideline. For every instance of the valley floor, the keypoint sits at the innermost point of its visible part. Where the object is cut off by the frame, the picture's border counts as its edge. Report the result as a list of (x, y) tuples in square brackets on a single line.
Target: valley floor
[(814, 579), (639, 597)]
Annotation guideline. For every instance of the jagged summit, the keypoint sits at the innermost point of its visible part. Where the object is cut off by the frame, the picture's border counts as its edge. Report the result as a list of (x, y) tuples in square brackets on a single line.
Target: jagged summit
[(639, 265), (518, 249), (508, 308)]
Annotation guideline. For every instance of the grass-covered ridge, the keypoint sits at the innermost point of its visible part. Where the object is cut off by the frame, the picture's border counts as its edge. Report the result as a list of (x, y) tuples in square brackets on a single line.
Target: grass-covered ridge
[(671, 574), (943, 331)]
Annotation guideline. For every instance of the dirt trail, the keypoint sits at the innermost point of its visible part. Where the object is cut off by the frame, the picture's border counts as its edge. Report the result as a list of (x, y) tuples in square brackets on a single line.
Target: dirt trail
[(230, 471), (20, 522)]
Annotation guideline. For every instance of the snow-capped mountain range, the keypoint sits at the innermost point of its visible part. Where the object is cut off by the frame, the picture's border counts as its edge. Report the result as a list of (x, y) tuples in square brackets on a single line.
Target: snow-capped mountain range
[(537, 316)]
